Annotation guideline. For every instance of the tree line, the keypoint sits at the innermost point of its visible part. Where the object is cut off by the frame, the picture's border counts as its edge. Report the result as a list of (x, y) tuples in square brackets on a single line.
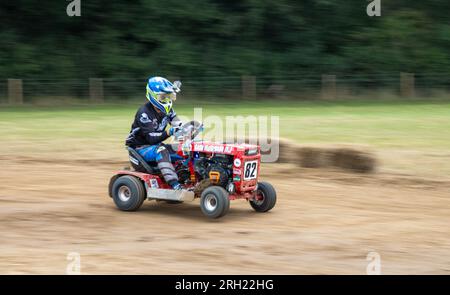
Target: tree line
[(221, 38)]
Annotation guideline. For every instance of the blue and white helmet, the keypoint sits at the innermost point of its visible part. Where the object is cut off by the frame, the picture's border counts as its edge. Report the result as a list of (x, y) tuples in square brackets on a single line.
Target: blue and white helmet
[(162, 93)]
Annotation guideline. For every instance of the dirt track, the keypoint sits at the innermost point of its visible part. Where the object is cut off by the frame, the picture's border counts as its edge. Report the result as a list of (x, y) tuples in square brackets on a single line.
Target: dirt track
[(325, 222)]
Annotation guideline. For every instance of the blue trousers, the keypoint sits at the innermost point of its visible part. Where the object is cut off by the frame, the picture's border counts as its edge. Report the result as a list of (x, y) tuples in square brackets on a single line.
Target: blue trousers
[(162, 155), (151, 154)]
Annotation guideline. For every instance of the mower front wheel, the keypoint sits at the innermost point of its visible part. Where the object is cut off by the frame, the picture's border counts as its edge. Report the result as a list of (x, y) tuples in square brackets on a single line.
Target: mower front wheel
[(214, 202), (265, 198), (128, 193)]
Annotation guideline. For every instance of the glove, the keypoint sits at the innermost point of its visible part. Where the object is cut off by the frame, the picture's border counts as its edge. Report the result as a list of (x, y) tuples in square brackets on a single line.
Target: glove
[(174, 130), (176, 125)]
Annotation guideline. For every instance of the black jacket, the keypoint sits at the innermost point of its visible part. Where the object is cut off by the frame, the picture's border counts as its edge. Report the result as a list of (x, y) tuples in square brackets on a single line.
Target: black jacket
[(149, 126)]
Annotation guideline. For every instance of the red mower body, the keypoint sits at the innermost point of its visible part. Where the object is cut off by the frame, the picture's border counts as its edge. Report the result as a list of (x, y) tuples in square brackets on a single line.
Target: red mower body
[(214, 172), (246, 160)]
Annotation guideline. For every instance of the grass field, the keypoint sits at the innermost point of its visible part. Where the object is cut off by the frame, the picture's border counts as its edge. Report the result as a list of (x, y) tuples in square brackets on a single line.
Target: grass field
[(418, 130)]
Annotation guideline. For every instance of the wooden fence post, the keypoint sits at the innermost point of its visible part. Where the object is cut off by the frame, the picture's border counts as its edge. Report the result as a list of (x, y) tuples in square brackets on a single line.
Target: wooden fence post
[(15, 91), (248, 87), (96, 90), (328, 86), (407, 88)]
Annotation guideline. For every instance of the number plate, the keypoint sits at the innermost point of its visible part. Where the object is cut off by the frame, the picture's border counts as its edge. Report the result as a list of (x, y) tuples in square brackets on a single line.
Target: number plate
[(251, 170)]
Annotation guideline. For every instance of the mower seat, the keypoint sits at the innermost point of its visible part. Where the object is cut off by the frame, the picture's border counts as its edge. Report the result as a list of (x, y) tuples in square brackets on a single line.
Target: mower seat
[(139, 164)]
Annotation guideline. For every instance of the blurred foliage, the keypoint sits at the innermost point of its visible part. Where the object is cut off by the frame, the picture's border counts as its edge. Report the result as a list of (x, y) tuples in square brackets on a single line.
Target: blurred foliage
[(214, 38)]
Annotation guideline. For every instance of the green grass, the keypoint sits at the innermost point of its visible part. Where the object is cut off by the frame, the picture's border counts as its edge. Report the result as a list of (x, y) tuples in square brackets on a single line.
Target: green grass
[(409, 137), (408, 125)]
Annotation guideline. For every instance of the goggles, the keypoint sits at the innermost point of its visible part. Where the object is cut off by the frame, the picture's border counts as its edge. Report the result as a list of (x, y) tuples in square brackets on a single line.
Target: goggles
[(166, 97)]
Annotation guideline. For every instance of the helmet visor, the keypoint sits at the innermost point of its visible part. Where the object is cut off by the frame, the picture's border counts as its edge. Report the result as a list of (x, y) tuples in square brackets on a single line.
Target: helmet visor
[(166, 97)]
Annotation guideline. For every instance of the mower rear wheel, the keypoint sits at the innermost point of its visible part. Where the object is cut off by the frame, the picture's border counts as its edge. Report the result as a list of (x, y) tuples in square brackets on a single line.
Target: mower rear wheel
[(265, 198), (214, 202), (128, 193)]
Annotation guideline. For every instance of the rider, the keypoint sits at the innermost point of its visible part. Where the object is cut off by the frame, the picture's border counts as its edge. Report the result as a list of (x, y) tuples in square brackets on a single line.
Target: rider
[(148, 130)]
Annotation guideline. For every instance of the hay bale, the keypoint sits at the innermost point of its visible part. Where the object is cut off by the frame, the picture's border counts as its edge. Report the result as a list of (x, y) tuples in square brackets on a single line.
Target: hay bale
[(288, 152), (348, 158), (313, 157), (353, 160)]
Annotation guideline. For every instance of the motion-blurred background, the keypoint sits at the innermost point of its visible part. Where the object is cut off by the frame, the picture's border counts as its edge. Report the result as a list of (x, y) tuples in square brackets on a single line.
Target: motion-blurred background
[(234, 49), (70, 86)]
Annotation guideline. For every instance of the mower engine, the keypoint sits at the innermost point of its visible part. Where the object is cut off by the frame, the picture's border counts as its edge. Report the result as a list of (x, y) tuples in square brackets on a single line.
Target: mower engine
[(218, 169)]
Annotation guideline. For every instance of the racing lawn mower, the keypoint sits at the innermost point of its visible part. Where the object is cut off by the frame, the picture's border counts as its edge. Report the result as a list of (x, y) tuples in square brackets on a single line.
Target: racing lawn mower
[(214, 172)]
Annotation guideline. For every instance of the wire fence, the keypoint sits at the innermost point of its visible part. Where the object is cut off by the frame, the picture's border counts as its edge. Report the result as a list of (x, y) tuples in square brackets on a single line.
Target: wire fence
[(305, 87)]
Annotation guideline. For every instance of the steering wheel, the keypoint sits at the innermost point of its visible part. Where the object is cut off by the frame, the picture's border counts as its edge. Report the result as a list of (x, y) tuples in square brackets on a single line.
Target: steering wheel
[(188, 131)]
